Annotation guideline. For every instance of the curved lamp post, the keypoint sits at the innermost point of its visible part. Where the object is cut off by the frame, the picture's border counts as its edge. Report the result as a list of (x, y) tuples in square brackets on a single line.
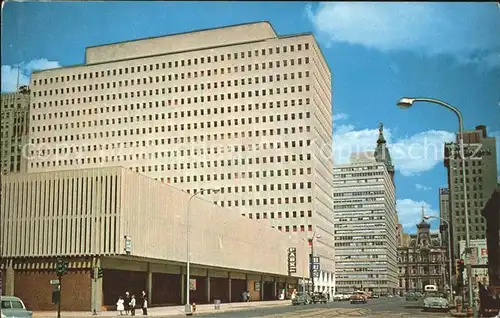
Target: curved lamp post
[(407, 102), (449, 250), (188, 309)]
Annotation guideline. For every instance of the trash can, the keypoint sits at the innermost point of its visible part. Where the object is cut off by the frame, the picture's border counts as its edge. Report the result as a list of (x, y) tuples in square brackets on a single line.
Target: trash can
[(217, 304)]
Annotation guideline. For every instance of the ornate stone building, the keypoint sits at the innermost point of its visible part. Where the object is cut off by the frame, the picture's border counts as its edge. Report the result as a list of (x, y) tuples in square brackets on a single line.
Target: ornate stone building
[(422, 260)]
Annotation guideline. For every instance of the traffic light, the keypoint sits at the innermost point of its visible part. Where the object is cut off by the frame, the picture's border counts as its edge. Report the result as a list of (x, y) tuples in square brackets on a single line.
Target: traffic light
[(457, 267), (100, 272), (61, 266)]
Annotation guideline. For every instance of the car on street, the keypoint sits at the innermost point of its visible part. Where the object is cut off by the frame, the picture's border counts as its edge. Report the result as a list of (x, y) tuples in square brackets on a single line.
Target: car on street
[(413, 296), (14, 307), (359, 297), (319, 297), (375, 296), (434, 299), (302, 298)]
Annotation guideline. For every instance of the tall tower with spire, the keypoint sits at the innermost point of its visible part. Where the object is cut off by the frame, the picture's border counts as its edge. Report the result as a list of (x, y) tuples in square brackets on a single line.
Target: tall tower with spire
[(382, 153)]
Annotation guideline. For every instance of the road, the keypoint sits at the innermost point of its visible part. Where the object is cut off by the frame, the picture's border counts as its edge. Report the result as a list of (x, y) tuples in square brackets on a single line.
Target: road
[(381, 308)]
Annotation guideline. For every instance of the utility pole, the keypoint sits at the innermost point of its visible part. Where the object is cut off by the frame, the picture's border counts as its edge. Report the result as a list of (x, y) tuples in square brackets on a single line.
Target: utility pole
[(61, 269)]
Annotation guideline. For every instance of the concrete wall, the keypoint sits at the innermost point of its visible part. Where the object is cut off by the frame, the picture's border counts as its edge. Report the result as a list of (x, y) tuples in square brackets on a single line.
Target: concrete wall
[(180, 42), (85, 212), (219, 237)]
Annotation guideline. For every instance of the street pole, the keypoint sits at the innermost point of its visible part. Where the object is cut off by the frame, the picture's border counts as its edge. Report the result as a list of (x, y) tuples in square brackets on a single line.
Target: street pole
[(95, 290), (311, 263), (60, 297), (408, 102), (187, 308)]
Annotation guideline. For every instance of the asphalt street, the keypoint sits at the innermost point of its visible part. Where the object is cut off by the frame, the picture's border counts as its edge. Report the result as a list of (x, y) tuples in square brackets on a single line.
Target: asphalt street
[(383, 307)]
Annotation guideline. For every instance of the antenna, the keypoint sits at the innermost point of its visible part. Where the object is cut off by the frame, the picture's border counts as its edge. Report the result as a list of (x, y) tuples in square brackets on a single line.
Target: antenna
[(18, 71)]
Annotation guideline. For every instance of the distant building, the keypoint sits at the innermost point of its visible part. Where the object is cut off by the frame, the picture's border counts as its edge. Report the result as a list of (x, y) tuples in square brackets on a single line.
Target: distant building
[(444, 213), (366, 223), (14, 130), (481, 178), (423, 261), (491, 213)]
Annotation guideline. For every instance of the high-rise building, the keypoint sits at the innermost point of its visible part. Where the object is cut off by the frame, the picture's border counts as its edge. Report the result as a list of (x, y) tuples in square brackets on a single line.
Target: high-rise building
[(238, 108), (366, 223), (444, 213), (14, 130), (481, 181)]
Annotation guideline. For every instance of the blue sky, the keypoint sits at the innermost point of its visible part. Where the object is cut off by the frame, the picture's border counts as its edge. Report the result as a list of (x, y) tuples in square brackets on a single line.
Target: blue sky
[(378, 52)]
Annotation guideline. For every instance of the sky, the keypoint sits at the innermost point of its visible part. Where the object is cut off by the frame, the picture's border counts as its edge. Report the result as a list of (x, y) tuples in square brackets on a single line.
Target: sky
[(377, 53)]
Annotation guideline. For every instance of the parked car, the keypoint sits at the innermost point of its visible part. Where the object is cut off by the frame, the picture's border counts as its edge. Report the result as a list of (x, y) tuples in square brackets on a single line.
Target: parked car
[(435, 300), (319, 297), (359, 297), (13, 307), (375, 296), (302, 298), (412, 296), (338, 297)]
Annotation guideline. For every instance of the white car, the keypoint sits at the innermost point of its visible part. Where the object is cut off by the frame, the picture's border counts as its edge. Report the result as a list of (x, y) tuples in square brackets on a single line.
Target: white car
[(435, 300)]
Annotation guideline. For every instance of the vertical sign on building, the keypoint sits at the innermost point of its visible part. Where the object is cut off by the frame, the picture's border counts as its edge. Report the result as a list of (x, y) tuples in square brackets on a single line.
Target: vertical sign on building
[(128, 244), (292, 260)]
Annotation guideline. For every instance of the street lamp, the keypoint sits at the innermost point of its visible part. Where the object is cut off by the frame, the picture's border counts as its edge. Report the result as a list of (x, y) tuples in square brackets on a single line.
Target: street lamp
[(311, 269), (407, 102), (188, 309), (449, 250)]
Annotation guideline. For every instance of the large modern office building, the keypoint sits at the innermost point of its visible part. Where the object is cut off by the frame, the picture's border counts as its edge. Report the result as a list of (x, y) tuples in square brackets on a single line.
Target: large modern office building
[(366, 223), (481, 179), (238, 108), (444, 213), (14, 130)]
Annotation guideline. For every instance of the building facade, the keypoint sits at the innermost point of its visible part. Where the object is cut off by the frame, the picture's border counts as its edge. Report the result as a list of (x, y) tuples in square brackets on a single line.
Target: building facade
[(481, 179), (239, 108), (365, 225), (14, 128), (444, 213), (422, 261), (491, 213), (87, 216)]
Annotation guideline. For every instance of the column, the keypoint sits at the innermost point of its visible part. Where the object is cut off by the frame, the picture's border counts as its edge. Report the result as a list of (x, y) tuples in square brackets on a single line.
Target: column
[(208, 287), (9, 279), (230, 290), (96, 284), (262, 288), (149, 284)]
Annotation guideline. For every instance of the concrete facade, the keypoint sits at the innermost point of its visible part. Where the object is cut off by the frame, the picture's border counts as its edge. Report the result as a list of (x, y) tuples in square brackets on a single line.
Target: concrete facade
[(240, 109), (85, 215), (365, 226), (444, 212), (481, 178), (14, 131)]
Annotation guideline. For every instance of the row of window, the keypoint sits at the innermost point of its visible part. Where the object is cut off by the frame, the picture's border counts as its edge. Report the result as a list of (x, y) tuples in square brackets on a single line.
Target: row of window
[(170, 64), (171, 114), (184, 76), (206, 98)]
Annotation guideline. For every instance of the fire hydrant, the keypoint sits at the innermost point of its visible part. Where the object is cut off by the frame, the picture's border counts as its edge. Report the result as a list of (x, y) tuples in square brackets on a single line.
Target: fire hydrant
[(194, 307), (459, 308)]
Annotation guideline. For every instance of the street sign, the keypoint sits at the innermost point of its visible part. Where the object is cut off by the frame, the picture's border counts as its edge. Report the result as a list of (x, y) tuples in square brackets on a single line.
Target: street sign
[(315, 259), (192, 284), (315, 273), (315, 266), (128, 244), (54, 281), (292, 260)]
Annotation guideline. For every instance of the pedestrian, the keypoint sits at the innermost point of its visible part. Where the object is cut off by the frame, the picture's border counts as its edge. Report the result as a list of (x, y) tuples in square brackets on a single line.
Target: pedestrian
[(328, 296), (144, 304), (119, 305), (132, 305), (127, 303), (248, 295), (244, 296)]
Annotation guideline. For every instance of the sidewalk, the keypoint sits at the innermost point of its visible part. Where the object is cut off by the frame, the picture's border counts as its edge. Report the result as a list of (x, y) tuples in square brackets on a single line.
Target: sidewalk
[(172, 310), (454, 313)]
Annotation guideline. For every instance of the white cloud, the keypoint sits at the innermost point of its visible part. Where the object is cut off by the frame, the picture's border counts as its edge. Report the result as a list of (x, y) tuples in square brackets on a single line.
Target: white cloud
[(468, 30), (340, 116), (410, 155), (419, 186), (10, 73), (410, 212)]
